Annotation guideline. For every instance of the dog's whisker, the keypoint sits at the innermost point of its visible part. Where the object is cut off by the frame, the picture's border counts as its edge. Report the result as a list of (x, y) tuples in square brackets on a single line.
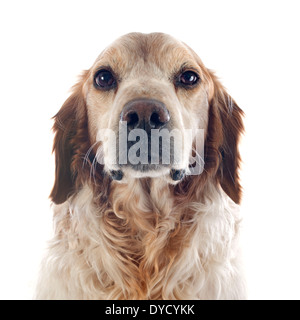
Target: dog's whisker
[(93, 169), (198, 159), (87, 154)]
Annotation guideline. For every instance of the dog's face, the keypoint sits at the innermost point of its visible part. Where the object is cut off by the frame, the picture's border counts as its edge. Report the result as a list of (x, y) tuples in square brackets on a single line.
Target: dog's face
[(150, 83), (138, 112)]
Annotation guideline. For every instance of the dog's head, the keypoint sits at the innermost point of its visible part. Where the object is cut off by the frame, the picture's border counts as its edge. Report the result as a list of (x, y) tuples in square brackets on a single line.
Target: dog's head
[(148, 107)]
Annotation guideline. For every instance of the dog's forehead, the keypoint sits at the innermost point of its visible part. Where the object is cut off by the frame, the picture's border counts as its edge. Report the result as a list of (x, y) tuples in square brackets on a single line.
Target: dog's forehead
[(137, 50)]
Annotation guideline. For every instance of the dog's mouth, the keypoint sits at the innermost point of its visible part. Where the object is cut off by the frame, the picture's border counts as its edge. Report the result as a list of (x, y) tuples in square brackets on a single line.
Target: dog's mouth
[(141, 154), (148, 153), (148, 171)]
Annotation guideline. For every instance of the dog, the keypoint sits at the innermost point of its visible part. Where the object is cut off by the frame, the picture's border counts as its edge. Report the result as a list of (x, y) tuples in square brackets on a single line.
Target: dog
[(128, 223)]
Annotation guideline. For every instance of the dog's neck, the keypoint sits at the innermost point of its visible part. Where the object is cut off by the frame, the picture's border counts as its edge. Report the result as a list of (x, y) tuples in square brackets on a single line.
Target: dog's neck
[(136, 241), (142, 195)]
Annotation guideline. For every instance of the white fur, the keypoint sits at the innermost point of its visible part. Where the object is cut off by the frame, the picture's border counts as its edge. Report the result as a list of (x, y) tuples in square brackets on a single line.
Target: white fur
[(81, 264)]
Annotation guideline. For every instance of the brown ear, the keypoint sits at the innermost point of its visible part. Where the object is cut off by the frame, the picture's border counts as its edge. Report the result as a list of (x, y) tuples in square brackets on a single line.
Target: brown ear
[(224, 130), (69, 128)]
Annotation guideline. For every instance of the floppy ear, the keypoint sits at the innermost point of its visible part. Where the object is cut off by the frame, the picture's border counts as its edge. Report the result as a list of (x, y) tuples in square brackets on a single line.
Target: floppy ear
[(224, 130), (70, 128)]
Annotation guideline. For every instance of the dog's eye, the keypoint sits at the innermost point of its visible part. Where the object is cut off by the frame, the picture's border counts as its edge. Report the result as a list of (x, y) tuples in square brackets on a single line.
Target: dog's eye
[(104, 79), (188, 79)]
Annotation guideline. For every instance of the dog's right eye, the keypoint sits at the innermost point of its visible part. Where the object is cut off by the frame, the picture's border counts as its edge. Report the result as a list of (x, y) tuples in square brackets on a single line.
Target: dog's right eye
[(104, 79)]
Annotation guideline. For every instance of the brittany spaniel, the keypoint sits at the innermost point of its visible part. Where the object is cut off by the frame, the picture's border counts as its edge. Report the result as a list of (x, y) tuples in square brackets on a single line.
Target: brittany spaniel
[(141, 209)]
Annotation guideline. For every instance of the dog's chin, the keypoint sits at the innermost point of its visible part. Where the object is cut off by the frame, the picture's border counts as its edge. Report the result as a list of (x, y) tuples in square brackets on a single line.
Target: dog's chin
[(125, 173), (146, 171)]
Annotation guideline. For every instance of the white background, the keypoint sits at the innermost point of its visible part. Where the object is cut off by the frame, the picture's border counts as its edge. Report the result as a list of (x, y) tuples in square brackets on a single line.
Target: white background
[(254, 48)]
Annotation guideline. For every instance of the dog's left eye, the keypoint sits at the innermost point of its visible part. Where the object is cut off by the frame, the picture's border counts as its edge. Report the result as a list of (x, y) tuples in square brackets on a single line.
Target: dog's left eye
[(188, 78), (104, 79)]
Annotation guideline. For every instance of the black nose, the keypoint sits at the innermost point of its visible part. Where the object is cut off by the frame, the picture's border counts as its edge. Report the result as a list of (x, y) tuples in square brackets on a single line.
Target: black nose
[(145, 114)]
